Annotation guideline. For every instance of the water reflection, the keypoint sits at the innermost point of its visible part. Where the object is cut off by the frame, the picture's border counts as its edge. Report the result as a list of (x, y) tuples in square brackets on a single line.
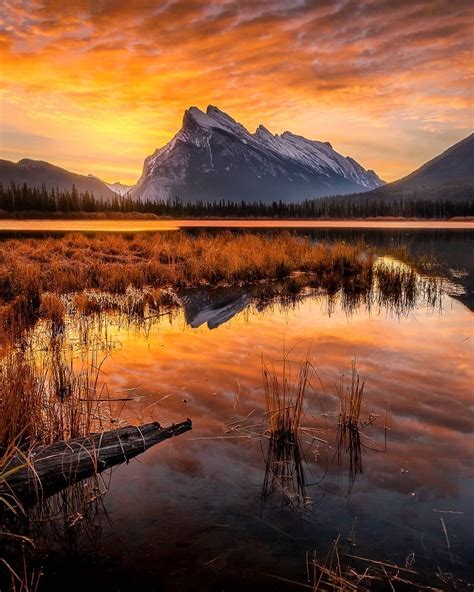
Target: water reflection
[(213, 307), (191, 506), (70, 518), (395, 288), (418, 375), (285, 473)]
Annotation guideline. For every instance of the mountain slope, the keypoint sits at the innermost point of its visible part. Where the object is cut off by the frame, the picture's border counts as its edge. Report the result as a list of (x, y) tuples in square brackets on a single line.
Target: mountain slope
[(118, 187), (36, 173), (441, 188), (453, 167), (213, 157)]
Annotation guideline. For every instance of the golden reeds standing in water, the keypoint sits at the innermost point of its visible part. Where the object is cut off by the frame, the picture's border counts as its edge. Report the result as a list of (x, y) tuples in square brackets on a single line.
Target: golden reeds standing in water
[(284, 396)]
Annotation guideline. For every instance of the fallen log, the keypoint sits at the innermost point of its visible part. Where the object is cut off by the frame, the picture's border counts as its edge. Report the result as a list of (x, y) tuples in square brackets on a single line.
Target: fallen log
[(46, 470)]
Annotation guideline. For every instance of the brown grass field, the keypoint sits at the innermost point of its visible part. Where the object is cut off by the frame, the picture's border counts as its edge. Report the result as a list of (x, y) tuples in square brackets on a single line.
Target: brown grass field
[(112, 262)]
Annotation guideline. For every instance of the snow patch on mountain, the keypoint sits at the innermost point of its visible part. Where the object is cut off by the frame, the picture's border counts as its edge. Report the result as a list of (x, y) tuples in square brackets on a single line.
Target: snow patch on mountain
[(215, 157), (119, 188)]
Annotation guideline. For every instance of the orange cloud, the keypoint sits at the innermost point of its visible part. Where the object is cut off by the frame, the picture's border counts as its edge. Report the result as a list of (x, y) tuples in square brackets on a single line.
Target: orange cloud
[(108, 81)]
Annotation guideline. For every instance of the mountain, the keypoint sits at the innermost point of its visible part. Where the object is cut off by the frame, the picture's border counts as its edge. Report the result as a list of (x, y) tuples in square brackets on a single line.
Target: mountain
[(453, 167), (119, 188), (450, 175), (441, 188), (213, 157), (36, 173)]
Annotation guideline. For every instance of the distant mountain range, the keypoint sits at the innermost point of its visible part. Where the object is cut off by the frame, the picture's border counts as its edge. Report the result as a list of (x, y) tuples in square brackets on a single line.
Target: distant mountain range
[(214, 158), (36, 173), (118, 188)]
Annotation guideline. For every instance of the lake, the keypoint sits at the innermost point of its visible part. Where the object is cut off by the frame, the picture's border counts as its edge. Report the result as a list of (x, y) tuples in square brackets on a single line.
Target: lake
[(58, 226), (196, 513)]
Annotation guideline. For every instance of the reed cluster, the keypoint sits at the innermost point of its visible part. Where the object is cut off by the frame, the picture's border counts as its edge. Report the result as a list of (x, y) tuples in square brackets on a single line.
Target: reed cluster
[(350, 401), (284, 395), (285, 390), (50, 391), (400, 285), (350, 424), (339, 571), (112, 262)]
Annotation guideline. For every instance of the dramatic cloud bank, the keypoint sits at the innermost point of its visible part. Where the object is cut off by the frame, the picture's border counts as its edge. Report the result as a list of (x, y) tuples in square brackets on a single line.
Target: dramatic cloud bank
[(95, 85)]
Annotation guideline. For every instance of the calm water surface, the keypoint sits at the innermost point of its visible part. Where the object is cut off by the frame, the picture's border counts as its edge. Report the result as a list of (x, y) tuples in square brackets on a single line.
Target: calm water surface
[(170, 224), (188, 515)]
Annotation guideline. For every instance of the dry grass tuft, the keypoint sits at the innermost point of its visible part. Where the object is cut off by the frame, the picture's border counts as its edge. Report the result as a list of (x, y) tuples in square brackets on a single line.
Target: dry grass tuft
[(53, 310), (50, 392), (350, 402), (284, 396)]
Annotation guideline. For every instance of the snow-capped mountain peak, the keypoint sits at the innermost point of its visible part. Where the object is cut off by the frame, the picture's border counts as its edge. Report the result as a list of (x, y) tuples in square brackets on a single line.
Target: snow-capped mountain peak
[(222, 119), (263, 133), (215, 157), (195, 115), (119, 188), (213, 118)]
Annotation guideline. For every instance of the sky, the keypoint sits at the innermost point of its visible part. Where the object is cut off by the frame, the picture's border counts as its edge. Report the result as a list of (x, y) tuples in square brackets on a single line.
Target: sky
[(95, 86)]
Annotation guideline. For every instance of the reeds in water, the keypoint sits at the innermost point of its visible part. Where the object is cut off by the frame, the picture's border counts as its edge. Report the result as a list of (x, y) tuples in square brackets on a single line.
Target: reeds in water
[(348, 440), (139, 275), (49, 391), (350, 436), (114, 264), (284, 397), (328, 574), (339, 571), (350, 402), (400, 287)]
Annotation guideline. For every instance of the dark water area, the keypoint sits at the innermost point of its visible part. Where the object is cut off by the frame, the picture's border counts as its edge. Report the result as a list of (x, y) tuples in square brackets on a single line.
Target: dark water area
[(191, 514), (451, 249)]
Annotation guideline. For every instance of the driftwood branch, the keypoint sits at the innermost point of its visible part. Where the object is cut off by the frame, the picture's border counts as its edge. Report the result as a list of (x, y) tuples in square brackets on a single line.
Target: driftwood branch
[(49, 469)]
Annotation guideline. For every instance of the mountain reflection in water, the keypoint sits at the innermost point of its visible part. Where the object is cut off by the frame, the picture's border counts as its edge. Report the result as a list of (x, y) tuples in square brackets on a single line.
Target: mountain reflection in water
[(213, 307), (193, 505), (187, 515)]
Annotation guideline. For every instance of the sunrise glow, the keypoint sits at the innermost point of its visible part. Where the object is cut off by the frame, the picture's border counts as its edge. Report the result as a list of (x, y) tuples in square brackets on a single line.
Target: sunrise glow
[(97, 86)]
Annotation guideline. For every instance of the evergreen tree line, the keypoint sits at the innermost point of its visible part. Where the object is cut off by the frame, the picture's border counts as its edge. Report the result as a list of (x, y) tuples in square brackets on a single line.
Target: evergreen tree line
[(440, 203)]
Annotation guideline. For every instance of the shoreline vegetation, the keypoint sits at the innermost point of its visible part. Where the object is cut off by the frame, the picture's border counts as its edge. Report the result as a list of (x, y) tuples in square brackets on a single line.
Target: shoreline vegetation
[(442, 203), (142, 216), (112, 262), (134, 272)]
